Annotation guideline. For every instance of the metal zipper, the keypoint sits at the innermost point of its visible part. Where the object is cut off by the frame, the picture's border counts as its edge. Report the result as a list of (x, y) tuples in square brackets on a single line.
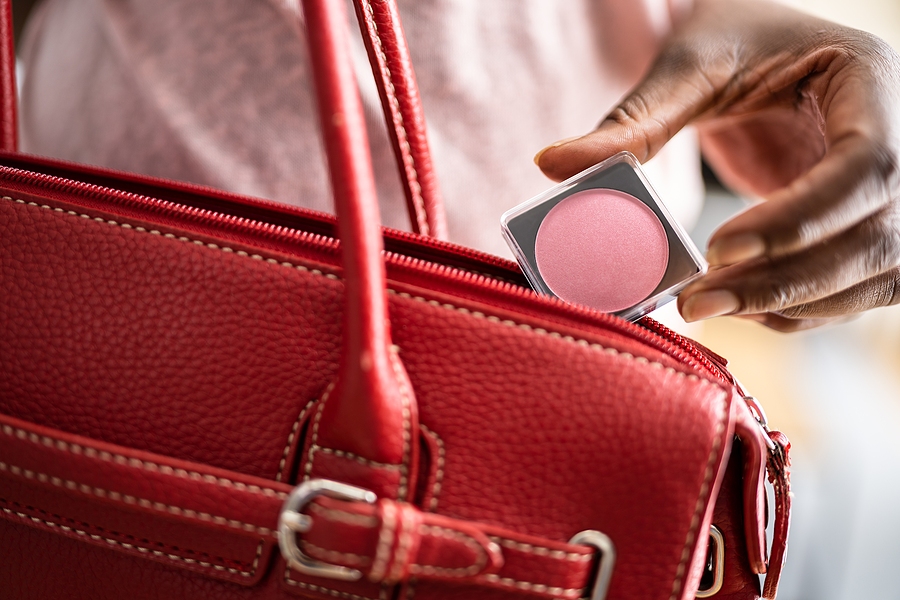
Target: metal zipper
[(648, 331)]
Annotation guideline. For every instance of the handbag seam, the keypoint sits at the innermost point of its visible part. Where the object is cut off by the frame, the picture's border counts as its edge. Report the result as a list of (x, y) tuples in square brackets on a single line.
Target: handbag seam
[(467, 540), (542, 551), (700, 506), (145, 465), (447, 306), (533, 587), (290, 440), (415, 187), (330, 555), (134, 500), (141, 549), (439, 476), (355, 457), (59, 519)]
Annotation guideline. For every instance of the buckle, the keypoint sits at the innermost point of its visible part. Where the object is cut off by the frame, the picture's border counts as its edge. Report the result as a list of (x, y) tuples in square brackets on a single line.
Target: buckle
[(714, 571), (291, 522), (605, 565)]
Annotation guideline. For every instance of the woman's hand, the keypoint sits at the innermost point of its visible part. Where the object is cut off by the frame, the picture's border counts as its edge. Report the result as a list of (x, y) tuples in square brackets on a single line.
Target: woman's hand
[(802, 112)]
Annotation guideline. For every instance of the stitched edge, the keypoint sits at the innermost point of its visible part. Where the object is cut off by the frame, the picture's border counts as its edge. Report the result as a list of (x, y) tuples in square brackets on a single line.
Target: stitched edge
[(467, 540), (406, 414), (439, 476), (146, 465), (406, 539), (311, 453), (355, 457), (287, 447), (473, 313), (330, 592), (340, 516), (409, 161), (533, 587), (140, 549), (31, 511), (542, 551), (333, 555), (133, 500), (385, 541), (701, 502)]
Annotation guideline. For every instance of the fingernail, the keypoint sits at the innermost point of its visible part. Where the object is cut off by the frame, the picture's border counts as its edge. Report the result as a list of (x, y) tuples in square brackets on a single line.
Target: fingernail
[(708, 304), (537, 157), (736, 248)]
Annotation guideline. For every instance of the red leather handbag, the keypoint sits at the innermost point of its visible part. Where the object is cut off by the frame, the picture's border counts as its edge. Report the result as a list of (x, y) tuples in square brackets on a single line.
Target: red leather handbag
[(210, 396)]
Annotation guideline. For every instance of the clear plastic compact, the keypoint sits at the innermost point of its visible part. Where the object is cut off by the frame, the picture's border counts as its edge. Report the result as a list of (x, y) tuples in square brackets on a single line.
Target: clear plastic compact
[(603, 239)]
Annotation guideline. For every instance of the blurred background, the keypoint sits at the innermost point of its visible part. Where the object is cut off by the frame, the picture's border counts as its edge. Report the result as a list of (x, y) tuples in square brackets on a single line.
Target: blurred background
[(835, 392)]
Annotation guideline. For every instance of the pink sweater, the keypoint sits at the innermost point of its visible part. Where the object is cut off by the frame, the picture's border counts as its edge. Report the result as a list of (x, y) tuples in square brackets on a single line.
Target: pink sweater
[(218, 92)]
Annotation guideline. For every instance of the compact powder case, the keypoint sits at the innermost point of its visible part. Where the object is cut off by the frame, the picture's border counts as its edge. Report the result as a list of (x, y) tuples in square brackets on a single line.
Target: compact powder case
[(603, 239)]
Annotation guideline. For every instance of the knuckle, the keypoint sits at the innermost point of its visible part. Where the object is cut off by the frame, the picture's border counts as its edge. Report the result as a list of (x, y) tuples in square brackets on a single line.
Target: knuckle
[(891, 290), (883, 249), (777, 292)]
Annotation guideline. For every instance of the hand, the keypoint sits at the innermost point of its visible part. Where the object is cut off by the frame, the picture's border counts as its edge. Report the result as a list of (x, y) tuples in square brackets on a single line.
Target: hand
[(802, 112)]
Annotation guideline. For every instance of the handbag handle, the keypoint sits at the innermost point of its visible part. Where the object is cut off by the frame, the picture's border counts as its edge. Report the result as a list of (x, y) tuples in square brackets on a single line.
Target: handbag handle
[(396, 81), (385, 42), (371, 386)]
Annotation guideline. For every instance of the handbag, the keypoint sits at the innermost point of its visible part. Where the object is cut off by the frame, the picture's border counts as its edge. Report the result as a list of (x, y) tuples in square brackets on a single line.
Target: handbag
[(211, 396)]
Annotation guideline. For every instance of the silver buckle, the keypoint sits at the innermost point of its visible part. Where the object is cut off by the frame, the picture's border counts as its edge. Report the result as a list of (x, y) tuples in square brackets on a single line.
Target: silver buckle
[(716, 563), (607, 561), (291, 522)]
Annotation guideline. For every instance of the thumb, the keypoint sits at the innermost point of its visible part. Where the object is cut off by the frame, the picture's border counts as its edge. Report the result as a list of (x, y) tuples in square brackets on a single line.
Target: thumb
[(672, 94)]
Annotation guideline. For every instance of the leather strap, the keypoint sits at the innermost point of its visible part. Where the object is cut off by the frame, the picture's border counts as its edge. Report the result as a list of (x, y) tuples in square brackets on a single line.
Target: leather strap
[(9, 141), (396, 81), (112, 496), (371, 387)]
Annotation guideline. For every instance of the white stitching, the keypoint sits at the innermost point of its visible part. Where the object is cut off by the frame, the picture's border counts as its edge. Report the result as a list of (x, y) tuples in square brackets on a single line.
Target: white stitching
[(385, 540), (534, 587), (340, 516), (542, 551), (402, 554), (473, 313), (406, 414), (145, 465), (311, 453), (357, 458), (334, 555), (133, 500), (439, 476), (408, 159), (701, 502), (287, 447), (320, 589), (141, 549), (467, 540)]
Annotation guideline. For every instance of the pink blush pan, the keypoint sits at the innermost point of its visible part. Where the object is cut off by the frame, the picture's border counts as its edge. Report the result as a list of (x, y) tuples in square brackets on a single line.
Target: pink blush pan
[(602, 248)]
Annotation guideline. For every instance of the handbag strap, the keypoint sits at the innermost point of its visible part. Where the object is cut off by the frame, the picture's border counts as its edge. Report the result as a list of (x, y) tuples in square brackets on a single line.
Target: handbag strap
[(371, 387), (388, 541), (9, 141), (389, 56), (149, 502)]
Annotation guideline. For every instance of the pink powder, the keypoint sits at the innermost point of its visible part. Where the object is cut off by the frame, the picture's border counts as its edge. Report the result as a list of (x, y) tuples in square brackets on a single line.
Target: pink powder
[(602, 248)]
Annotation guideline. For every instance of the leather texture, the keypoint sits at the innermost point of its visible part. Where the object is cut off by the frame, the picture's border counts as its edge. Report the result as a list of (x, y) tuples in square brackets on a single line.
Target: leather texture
[(170, 373), (385, 42)]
